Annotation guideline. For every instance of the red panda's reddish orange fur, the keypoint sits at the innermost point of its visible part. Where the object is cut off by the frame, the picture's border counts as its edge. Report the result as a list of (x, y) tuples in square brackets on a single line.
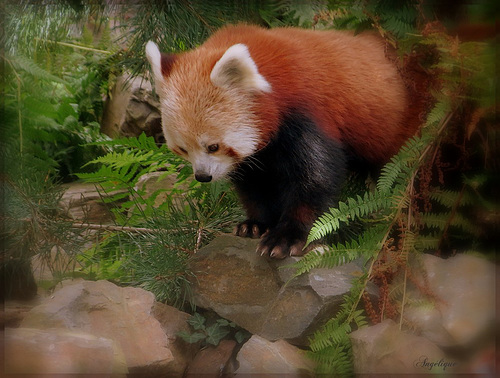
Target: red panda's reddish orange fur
[(313, 100), (331, 77)]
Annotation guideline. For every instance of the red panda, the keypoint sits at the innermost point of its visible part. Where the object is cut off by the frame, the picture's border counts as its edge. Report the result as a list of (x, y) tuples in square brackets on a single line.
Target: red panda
[(280, 112)]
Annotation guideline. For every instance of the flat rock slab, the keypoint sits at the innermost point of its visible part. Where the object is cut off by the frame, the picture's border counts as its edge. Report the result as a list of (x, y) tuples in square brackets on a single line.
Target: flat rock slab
[(258, 295), (61, 351), (102, 309)]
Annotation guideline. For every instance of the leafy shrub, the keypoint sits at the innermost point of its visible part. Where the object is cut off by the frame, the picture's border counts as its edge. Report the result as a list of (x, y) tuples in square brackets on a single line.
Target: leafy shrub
[(211, 334)]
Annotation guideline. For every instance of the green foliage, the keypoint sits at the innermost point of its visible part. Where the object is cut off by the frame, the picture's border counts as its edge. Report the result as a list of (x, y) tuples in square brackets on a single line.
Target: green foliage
[(212, 334), (331, 346), (353, 208), (364, 247), (393, 18), (283, 13), (178, 25), (166, 225)]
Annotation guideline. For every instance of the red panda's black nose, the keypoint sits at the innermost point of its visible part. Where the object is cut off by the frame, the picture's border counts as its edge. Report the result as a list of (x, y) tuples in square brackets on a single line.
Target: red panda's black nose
[(203, 177)]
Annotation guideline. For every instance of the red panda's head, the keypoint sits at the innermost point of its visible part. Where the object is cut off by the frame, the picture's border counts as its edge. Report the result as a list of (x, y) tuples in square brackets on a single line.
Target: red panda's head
[(207, 100)]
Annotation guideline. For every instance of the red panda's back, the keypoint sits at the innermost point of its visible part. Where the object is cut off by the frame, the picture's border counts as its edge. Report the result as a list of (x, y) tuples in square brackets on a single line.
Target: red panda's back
[(343, 82)]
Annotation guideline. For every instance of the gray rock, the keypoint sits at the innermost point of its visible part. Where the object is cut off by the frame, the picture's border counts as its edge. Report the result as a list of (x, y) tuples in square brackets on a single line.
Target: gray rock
[(260, 356), (462, 309), (61, 351), (132, 109), (82, 201), (260, 296), (465, 285), (172, 322), (385, 349), (124, 315), (213, 361)]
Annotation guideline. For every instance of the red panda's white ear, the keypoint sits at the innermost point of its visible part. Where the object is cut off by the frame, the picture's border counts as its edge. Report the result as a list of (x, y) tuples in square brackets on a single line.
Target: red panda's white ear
[(154, 57), (236, 69)]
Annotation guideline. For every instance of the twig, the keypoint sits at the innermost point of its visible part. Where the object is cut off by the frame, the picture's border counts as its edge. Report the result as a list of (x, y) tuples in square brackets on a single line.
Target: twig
[(110, 227), (74, 46)]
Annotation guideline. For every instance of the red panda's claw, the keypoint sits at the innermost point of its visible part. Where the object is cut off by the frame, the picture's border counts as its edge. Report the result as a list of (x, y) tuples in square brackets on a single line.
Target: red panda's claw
[(277, 253), (250, 229), (297, 249), (256, 233), (278, 245)]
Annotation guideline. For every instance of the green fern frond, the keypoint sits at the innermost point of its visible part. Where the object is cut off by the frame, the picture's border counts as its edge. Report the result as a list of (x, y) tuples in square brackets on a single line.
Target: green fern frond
[(27, 65), (332, 333), (346, 212), (428, 242), (438, 112), (340, 254), (110, 178), (450, 198), (142, 142), (441, 220), (334, 256), (399, 167), (335, 360)]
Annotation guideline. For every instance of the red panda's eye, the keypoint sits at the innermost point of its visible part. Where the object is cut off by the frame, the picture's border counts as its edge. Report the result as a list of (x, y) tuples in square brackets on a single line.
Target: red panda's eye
[(213, 148), (183, 150)]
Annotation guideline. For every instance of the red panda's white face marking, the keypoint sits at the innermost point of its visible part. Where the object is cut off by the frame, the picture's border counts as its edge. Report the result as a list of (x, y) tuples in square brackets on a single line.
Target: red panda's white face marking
[(201, 111)]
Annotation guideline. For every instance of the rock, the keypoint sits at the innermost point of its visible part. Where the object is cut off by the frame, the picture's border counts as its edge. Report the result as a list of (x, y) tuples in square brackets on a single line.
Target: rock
[(14, 311), (259, 356), (132, 109), (213, 361), (242, 286), (466, 286), (162, 186), (56, 264), (82, 201), (61, 351), (150, 183), (428, 321), (385, 349), (105, 310), (463, 311), (172, 322)]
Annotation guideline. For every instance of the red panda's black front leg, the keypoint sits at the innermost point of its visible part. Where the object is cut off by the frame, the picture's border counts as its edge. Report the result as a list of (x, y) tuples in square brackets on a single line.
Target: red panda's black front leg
[(296, 178)]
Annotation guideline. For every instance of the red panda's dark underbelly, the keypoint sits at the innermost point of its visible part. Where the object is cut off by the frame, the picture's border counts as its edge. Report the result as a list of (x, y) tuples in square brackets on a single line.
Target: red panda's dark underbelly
[(289, 183)]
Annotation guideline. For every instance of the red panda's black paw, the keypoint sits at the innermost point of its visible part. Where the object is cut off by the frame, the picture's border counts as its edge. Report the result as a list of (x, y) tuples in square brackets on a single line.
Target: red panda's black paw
[(250, 229), (278, 247)]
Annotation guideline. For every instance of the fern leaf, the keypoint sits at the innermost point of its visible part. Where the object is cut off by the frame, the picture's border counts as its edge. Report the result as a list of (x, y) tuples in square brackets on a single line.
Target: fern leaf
[(450, 198), (438, 112), (428, 242), (332, 333), (334, 361), (340, 254), (345, 212), (25, 64), (440, 220), (400, 166)]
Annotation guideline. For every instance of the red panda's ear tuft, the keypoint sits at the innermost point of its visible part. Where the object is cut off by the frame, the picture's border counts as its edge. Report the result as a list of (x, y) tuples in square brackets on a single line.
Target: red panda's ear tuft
[(237, 69), (161, 64)]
